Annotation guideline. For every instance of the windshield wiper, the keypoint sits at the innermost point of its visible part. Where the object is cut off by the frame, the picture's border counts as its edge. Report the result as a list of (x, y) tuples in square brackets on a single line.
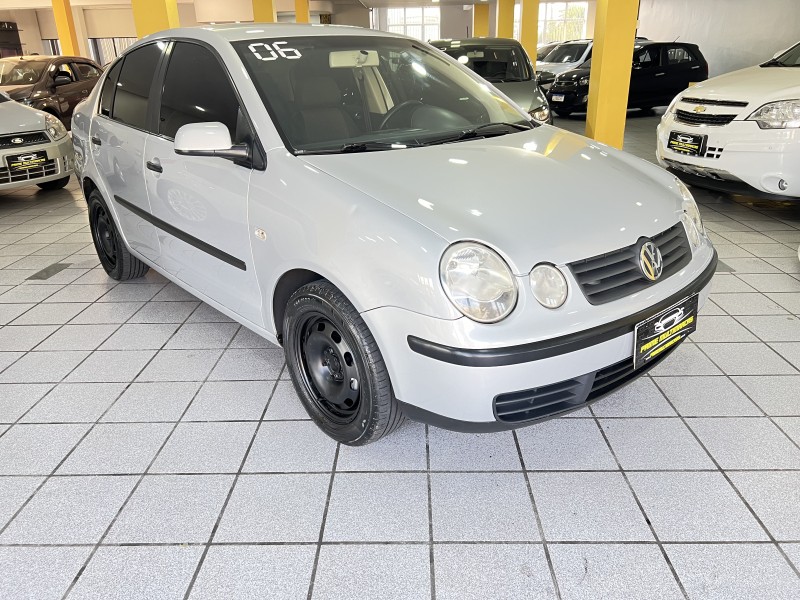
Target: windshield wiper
[(500, 128), (369, 146), (773, 62)]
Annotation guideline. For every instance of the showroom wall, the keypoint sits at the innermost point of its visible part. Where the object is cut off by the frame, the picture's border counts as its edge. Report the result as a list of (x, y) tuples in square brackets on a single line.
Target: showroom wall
[(732, 34)]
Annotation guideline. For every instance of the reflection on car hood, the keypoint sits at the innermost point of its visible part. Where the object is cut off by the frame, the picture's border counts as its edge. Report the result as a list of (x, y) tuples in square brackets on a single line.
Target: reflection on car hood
[(756, 85), (524, 94), (539, 195), (555, 68), (18, 118), (17, 92)]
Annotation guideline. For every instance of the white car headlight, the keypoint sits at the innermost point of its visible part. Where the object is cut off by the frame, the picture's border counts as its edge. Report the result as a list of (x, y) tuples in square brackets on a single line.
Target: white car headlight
[(778, 115), (549, 285), (671, 108), (541, 114), (691, 215), (54, 127), (478, 282)]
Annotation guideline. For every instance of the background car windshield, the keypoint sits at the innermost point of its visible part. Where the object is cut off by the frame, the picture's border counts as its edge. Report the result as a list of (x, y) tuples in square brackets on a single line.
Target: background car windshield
[(790, 58), (566, 53), (493, 63), (20, 72), (325, 92)]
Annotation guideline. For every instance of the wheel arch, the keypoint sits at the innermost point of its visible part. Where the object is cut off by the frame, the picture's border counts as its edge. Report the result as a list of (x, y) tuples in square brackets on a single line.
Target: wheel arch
[(288, 284)]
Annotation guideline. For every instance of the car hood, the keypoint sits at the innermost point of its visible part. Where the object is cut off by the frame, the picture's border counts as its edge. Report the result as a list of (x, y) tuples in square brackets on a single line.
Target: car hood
[(539, 195), (18, 118), (756, 85), (525, 94), (17, 92), (555, 68)]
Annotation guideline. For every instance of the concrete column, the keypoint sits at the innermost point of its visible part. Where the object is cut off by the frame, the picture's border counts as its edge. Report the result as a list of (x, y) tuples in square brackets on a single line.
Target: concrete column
[(151, 16), (529, 27), (264, 11), (505, 18), (65, 25), (612, 55), (302, 14), (480, 20)]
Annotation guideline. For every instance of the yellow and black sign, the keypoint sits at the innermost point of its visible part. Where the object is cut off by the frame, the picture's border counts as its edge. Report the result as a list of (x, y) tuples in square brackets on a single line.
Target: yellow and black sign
[(690, 144), (27, 161), (663, 331)]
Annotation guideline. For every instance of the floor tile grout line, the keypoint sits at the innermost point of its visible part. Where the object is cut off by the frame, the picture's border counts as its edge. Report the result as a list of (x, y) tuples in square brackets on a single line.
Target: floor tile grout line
[(537, 517), (207, 545), (141, 476), (741, 497), (431, 553), (639, 504)]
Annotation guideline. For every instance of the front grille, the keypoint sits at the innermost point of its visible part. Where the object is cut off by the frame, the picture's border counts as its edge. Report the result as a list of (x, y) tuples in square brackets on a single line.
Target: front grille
[(28, 139), (713, 152), (693, 118), (48, 168), (707, 102), (614, 275), (570, 394), (564, 85)]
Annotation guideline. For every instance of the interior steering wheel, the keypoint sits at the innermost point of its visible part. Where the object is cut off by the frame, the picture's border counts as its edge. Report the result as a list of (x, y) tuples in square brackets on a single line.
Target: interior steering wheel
[(404, 109)]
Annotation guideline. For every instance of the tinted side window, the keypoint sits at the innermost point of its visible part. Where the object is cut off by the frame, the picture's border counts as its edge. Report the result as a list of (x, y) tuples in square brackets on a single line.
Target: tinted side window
[(678, 55), (87, 71), (196, 90), (133, 86), (65, 69), (645, 59), (107, 93)]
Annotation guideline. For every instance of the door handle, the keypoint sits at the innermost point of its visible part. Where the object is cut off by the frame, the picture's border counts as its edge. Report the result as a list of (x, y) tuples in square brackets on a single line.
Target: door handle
[(660, 74), (155, 166), (97, 141), (695, 67)]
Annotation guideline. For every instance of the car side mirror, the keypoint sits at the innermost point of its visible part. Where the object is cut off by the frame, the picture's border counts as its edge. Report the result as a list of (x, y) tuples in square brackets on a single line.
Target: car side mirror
[(209, 139), (61, 78)]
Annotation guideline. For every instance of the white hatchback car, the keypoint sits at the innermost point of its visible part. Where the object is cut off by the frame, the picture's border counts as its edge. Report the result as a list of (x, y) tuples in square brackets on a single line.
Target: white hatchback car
[(418, 246), (739, 132)]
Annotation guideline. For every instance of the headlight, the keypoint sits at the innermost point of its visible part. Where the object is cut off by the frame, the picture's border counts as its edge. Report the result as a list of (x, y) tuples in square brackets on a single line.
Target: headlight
[(778, 115), (584, 81), (691, 215), (549, 285), (54, 127), (478, 282), (671, 107), (540, 114)]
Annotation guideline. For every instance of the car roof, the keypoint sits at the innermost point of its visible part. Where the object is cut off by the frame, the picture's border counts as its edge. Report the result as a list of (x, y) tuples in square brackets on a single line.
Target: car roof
[(258, 31), (46, 57), (478, 41)]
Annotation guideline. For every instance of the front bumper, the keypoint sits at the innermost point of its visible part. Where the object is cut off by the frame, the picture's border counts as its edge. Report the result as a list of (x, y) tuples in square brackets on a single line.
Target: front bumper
[(458, 388), (60, 163), (574, 100), (738, 158)]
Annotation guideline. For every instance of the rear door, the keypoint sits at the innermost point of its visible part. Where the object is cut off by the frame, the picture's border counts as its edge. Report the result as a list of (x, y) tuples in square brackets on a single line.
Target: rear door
[(682, 68), (203, 201), (117, 138)]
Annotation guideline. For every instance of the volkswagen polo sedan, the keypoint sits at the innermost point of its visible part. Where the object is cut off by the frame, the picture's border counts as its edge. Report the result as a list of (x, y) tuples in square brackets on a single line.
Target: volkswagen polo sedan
[(415, 242)]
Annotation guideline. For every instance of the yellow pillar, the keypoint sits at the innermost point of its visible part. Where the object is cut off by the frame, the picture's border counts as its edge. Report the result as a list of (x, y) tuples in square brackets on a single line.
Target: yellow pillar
[(301, 11), (151, 16), (612, 55), (480, 20), (264, 11), (529, 27), (65, 26), (505, 18)]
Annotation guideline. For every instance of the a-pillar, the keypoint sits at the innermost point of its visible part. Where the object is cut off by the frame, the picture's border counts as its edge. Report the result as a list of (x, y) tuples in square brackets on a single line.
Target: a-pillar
[(505, 18), (529, 27), (609, 81), (65, 26), (264, 11), (150, 16), (480, 20)]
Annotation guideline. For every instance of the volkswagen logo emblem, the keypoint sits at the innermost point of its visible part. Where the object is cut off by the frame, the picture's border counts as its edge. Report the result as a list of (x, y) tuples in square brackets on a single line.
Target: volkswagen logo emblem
[(699, 109), (17, 140), (650, 261)]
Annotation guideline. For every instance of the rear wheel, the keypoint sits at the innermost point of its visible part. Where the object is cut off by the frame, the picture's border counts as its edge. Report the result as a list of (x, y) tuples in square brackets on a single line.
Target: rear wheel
[(55, 184), (337, 368), (115, 257)]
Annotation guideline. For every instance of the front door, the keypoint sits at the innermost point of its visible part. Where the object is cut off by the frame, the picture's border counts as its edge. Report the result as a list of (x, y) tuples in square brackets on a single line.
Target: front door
[(646, 78), (202, 200), (68, 94)]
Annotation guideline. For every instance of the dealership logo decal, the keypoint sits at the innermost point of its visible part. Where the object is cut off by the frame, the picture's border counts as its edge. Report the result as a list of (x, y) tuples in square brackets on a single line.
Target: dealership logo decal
[(650, 261), (17, 140), (699, 109)]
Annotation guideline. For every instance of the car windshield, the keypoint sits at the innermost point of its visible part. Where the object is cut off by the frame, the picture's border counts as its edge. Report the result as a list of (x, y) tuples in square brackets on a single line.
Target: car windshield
[(360, 93), (498, 64), (14, 71), (566, 53), (790, 58), (544, 51)]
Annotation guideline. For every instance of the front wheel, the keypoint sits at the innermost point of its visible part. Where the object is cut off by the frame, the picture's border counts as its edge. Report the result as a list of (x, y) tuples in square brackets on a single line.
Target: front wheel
[(55, 184), (337, 368)]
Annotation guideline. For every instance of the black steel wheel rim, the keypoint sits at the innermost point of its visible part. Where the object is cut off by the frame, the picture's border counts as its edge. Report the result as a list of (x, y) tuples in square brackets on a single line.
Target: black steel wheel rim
[(105, 236), (328, 368)]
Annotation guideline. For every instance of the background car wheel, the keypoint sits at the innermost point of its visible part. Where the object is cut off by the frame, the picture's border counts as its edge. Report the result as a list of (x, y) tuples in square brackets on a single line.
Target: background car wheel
[(337, 367), (115, 257), (55, 184)]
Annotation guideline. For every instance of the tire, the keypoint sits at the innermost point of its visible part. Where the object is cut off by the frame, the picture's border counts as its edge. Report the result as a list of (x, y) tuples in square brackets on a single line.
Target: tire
[(114, 255), (349, 394), (55, 184)]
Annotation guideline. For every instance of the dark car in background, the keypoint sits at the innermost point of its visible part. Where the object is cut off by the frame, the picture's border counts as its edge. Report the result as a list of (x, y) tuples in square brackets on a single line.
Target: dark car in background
[(53, 84), (505, 64), (660, 71)]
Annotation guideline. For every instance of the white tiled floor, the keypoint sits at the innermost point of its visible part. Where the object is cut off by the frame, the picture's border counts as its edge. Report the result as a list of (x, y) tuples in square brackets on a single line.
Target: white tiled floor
[(151, 448)]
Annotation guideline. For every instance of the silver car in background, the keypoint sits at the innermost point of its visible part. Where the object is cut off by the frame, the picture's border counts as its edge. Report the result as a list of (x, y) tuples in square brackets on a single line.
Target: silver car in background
[(34, 148), (416, 243)]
